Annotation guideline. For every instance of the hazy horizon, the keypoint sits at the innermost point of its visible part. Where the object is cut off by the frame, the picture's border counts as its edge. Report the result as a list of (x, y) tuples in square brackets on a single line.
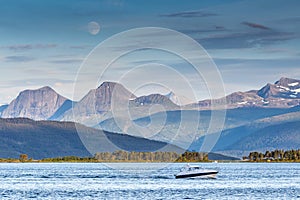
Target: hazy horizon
[(144, 94)]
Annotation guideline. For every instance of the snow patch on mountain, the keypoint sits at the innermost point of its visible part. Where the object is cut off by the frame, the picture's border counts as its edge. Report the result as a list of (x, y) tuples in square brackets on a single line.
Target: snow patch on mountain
[(296, 90), (242, 103), (293, 84), (178, 100), (282, 87)]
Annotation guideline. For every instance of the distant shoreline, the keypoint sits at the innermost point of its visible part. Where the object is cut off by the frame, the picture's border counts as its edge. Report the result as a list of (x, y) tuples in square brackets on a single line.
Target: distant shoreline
[(276, 156), (96, 161), (121, 157)]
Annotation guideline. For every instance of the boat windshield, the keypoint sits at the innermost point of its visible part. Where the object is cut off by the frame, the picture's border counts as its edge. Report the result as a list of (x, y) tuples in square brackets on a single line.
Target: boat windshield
[(190, 168)]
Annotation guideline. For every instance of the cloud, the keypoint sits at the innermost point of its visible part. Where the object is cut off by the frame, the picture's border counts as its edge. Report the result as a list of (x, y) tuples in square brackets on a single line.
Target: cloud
[(58, 84), (254, 25), (18, 59), (245, 39), (118, 3), (288, 20), (81, 47), (37, 82), (25, 47), (189, 14), (204, 30), (66, 61)]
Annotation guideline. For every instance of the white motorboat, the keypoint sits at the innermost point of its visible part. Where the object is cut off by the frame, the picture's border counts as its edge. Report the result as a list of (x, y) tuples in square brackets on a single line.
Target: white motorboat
[(196, 172)]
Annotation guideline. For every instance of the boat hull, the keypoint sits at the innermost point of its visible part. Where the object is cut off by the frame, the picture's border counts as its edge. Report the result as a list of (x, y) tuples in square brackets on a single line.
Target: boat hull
[(197, 175)]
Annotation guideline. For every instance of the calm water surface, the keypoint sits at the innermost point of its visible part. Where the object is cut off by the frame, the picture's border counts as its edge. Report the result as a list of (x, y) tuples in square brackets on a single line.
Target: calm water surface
[(97, 181)]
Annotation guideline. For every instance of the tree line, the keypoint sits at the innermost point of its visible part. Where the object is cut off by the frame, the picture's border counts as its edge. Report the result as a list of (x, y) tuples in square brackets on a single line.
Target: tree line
[(123, 156), (276, 155)]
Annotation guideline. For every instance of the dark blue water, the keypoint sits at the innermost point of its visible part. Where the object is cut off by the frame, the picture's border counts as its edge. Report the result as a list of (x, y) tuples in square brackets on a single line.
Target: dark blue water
[(97, 181)]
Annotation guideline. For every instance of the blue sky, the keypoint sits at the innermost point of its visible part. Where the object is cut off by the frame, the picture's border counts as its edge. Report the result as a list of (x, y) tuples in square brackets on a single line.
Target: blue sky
[(44, 42)]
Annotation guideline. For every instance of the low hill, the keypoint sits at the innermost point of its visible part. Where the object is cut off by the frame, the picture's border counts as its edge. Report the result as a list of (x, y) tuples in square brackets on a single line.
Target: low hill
[(280, 136), (217, 156), (43, 139), (275, 132), (192, 123)]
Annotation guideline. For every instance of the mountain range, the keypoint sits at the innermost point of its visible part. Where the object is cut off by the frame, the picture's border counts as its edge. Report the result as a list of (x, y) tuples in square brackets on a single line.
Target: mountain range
[(46, 104), (284, 93), (273, 107)]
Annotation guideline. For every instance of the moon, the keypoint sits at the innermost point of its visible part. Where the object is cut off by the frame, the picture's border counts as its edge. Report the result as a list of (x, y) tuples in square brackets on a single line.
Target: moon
[(93, 28)]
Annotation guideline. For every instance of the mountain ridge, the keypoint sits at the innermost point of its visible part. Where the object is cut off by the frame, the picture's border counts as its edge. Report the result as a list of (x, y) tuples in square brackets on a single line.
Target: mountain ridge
[(42, 103), (284, 93), (42, 139)]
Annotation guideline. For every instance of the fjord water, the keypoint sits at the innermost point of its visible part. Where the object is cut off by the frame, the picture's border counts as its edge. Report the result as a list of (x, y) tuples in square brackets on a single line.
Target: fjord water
[(97, 181)]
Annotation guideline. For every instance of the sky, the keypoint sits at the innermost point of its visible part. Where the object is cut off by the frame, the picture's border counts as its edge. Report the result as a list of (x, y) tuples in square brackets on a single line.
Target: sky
[(56, 43)]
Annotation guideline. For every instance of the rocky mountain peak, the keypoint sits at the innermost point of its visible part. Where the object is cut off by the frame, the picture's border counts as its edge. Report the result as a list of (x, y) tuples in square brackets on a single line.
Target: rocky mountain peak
[(283, 88), (170, 94), (105, 93), (108, 84), (179, 99), (99, 101), (36, 91), (173, 97), (39, 104), (46, 88), (106, 89), (153, 99), (283, 81)]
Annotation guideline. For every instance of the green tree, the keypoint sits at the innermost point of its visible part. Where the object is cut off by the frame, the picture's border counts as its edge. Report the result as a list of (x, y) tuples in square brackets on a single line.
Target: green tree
[(23, 157)]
